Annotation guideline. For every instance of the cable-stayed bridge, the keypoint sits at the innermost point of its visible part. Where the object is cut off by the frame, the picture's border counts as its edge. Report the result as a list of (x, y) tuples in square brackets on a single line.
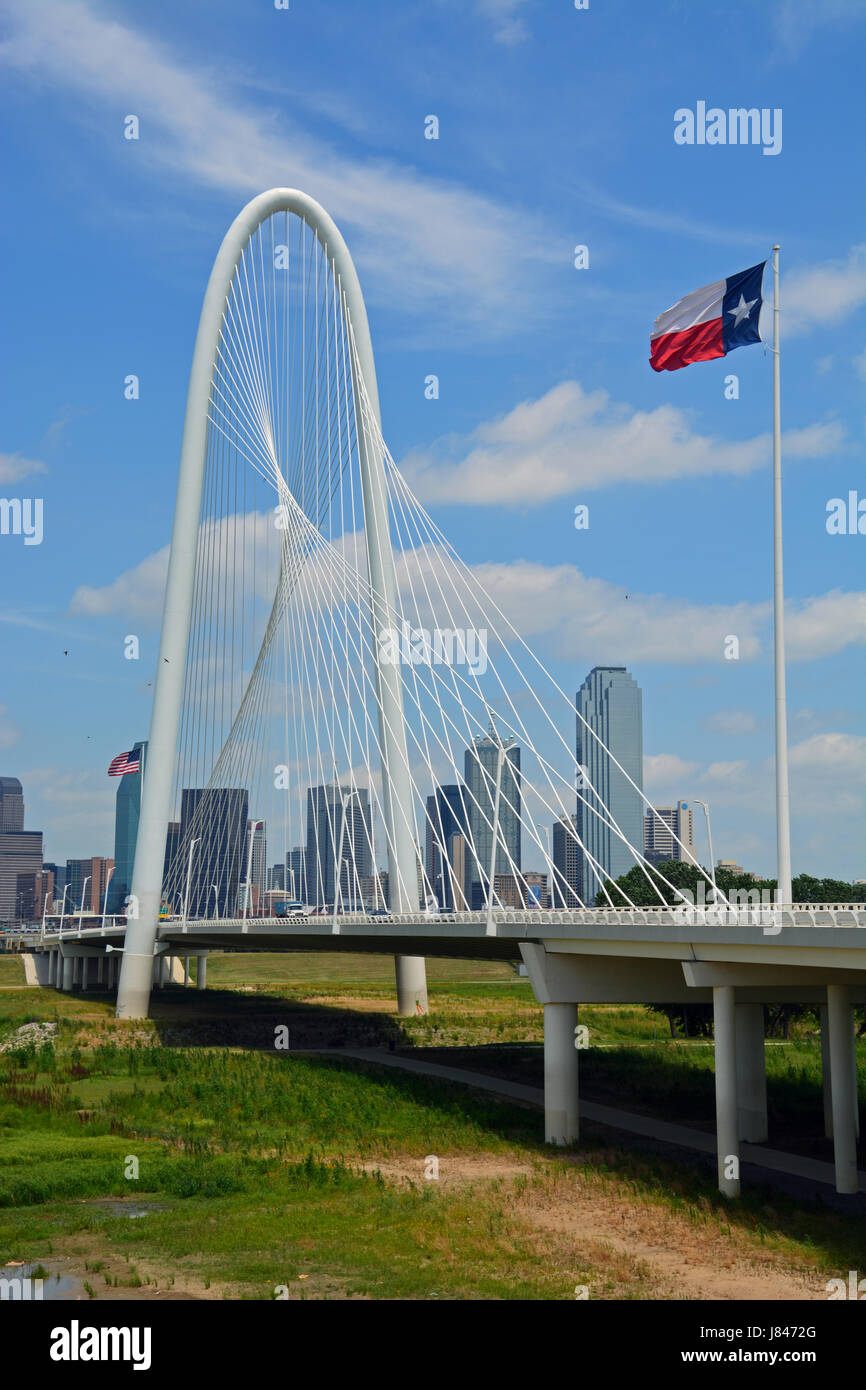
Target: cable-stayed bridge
[(338, 691)]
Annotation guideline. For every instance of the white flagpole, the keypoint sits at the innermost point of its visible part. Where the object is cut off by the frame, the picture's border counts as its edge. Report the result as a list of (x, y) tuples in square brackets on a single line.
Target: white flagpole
[(783, 821)]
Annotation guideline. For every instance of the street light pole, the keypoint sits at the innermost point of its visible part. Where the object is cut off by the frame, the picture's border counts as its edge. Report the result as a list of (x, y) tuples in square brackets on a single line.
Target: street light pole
[(105, 899), (63, 909), (192, 845), (338, 864), (83, 894), (500, 758), (710, 842), (254, 825), (550, 869)]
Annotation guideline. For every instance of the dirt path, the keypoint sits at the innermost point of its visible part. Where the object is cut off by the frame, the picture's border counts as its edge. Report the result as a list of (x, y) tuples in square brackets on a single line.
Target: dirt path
[(681, 1258)]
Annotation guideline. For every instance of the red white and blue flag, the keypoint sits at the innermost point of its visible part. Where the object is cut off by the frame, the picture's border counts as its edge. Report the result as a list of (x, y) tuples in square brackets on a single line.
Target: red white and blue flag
[(709, 323), (125, 762)]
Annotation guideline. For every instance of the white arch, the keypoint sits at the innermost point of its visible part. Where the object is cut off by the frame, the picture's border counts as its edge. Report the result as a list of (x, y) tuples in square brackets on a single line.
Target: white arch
[(133, 994)]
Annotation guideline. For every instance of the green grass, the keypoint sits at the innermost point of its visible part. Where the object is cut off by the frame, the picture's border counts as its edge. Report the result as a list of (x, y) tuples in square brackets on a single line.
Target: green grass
[(264, 1163), (271, 968), (11, 969)]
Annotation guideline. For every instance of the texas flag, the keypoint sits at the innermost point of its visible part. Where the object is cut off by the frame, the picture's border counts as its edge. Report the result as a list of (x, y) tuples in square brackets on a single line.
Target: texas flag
[(709, 322)]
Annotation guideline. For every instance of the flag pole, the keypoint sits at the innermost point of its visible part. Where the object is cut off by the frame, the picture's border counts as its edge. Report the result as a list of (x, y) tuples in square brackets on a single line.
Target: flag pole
[(783, 822)]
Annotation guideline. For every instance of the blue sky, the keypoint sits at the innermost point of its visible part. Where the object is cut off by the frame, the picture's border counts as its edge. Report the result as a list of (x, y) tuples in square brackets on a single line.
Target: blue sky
[(555, 129)]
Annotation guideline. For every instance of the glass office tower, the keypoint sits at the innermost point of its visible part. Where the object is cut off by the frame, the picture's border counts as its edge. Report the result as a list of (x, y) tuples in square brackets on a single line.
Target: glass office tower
[(611, 704)]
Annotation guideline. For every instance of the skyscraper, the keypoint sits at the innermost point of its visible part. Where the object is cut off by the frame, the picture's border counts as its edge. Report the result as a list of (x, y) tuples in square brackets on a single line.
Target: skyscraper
[(20, 857), (217, 817), (610, 709), (661, 825), (335, 814), (446, 817), (127, 805), (11, 805), (480, 779), (87, 880), (296, 873), (258, 866), (565, 889), (172, 849)]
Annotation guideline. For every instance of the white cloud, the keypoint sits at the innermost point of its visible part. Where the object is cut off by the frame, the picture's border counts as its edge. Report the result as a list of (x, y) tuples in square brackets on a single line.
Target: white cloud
[(555, 608), (136, 594), (732, 721), (662, 771), (571, 438), (795, 22), (13, 467), (429, 242), (9, 734), (825, 624), (734, 774), (840, 757), (820, 296), (508, 27)]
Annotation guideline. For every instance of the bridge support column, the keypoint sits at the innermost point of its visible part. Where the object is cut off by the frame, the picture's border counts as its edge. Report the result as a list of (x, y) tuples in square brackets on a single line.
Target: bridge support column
[(827, 1084), (85, 963), (751, 1073), (411, 976), (52, 960), (76, 971), (561, 1122), (67, 971), (201, 973), (186, 972), (727, 1112), (825, 1072), (843, 1085), (100, 970)]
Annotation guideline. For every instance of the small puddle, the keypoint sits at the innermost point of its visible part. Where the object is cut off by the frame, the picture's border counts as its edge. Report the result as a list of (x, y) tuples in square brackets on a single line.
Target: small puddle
[(37, 1283), (132, 1210)]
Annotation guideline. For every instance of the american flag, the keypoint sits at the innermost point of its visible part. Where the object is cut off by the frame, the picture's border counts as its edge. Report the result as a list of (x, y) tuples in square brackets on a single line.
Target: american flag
[(125, 762)]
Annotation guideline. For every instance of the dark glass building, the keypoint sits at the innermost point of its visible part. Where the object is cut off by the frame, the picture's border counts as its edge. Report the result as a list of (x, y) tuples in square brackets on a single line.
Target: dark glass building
[(447, 816), (127, 807), (216, 818)]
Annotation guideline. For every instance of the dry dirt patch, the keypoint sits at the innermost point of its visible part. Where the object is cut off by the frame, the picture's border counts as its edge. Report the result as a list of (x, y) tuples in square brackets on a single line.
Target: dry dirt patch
[(678, 1257)]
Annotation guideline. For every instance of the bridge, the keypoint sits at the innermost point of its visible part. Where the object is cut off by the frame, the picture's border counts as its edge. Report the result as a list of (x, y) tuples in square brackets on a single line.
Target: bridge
[(334, 681)]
